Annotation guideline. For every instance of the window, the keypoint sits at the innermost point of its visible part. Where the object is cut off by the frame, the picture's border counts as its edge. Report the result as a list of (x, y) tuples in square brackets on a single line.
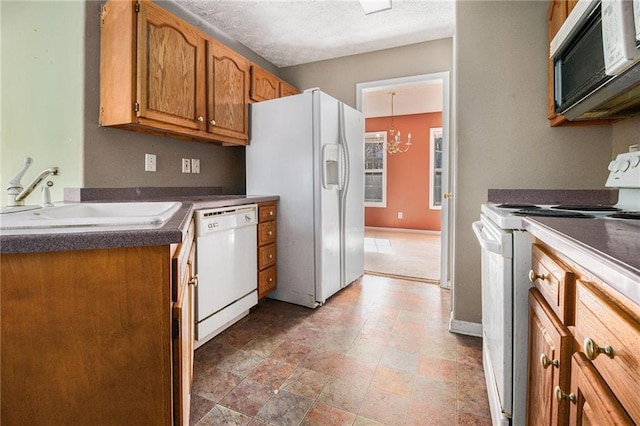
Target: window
[(375, 169), (435, 168)]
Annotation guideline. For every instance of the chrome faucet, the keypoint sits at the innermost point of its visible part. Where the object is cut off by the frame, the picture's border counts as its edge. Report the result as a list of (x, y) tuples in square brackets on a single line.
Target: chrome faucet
[(15, 191)]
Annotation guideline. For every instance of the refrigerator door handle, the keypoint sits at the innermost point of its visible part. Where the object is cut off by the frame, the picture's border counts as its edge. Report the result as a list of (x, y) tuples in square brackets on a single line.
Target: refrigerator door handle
[(346, 170), (330, 167)]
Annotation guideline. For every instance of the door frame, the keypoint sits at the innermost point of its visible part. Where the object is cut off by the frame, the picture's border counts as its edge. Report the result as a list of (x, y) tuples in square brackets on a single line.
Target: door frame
[(446, 228)]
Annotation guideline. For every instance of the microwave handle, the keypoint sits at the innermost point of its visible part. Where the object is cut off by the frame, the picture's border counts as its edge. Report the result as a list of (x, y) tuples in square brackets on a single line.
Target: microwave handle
[(557, 83)]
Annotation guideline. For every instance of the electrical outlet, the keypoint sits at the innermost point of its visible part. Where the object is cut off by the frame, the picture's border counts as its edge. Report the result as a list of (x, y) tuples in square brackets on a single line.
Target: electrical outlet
[(186, 165), (149, 162), (633, 148), (195, 165), (400, 215)]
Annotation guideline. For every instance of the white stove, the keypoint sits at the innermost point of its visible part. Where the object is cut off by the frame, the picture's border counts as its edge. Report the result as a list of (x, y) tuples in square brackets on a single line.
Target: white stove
[(624, 174), (506, 261)]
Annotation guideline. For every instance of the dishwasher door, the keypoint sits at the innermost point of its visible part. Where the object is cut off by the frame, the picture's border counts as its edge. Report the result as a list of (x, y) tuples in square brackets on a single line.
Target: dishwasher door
[(226, 263)]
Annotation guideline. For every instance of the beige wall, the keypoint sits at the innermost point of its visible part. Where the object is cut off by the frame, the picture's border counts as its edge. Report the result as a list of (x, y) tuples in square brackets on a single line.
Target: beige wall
[(503, 137), (338, 77), (625, 133)]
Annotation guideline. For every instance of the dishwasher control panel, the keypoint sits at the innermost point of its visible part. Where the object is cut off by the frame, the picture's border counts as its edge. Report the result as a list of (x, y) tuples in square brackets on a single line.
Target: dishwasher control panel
[(217, 220)]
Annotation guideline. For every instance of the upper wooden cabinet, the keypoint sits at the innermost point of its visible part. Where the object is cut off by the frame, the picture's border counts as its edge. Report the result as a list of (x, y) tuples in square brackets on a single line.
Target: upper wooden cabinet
[(265, 86), (228, 82), (160, 75), (287, 90), (170, 70)]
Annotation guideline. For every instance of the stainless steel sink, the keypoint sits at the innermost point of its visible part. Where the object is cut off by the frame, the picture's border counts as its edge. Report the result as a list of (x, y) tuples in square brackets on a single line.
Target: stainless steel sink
[(91, 215)]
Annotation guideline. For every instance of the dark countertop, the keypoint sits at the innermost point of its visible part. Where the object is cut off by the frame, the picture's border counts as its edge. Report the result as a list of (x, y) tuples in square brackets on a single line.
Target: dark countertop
[(608, 248), (172, 232)]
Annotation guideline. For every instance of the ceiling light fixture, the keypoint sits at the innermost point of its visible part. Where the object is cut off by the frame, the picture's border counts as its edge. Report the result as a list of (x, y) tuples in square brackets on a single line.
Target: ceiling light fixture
[(394, 142), (373, 6)]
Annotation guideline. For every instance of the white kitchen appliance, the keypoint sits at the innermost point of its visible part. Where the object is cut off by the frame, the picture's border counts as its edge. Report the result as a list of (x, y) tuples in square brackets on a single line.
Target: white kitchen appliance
[(309, 150), (227, 265), (506, 261)]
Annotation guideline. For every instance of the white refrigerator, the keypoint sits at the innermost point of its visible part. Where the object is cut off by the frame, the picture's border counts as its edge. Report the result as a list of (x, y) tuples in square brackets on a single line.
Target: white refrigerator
[(309, 150)]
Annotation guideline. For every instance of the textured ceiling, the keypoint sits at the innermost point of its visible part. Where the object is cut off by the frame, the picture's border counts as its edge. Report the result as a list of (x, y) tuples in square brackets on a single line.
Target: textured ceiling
[(292, 32)]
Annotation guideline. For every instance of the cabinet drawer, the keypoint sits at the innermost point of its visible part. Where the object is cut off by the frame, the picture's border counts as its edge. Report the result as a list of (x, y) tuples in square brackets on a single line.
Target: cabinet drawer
[(609, 335), (555, 281), (266, 212), (266, 256), (266, 281), (266, 233)]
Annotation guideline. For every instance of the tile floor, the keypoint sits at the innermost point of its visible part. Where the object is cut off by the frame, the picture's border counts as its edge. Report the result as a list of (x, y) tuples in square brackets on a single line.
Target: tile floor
[(376, 353)]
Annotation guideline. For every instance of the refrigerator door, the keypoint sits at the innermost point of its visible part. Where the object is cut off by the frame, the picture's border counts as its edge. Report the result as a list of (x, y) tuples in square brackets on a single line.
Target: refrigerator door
[(327, 226), (280, 161), (352, 196)]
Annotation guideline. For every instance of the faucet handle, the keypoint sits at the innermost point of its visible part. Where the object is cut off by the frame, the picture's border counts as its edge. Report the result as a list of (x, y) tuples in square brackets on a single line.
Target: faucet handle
[(15, 182)]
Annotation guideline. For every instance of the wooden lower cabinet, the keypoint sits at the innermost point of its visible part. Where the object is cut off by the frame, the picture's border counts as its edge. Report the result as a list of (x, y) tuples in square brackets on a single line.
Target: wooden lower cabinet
[(593, 403), (589, 373), (550, 349), (96, 337), (267, 281)]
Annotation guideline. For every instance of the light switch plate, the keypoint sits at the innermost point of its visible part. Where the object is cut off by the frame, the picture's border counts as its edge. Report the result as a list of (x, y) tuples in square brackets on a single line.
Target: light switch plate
[(149, 162), (195, 165), (186, 165)]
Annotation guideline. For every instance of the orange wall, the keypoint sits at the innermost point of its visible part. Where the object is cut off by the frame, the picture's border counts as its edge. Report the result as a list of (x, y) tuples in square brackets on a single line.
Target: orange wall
[(407, 175)]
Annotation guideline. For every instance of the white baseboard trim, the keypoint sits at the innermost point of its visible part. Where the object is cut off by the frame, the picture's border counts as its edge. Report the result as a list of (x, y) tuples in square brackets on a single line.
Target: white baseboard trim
[(411, 231), (465, 327)]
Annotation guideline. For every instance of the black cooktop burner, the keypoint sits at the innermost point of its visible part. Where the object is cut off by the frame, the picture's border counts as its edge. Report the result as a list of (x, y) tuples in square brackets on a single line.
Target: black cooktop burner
[(517, 206), (553, 213), (626, 215), (587, 207)]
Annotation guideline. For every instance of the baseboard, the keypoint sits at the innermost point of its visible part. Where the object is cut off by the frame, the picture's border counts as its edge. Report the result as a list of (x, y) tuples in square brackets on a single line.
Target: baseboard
[(465, 327), (411, 231)]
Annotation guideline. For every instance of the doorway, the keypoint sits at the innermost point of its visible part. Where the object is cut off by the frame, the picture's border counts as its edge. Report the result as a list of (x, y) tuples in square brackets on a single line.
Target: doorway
[(420, 101)]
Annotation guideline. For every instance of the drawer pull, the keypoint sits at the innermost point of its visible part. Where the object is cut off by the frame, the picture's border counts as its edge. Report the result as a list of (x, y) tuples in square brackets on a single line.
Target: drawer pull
[(546, 362), (592, 350), (270, 212), (533, 276), (270, 233), (194, 281), (270, 256), (270, 279), (561, 395)]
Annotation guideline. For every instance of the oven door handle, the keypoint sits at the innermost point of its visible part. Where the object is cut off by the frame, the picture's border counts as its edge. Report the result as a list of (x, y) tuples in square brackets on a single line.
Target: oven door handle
[(492, 245)]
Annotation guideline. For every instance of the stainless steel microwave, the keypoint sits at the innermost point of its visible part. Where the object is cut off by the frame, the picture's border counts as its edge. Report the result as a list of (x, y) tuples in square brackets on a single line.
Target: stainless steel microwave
[(596, 59)]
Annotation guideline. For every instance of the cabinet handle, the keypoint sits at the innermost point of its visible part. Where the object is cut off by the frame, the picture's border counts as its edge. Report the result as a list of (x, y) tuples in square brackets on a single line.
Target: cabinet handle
[(270, 279), (212, 122), (270, 256), (194, 281), (592, 350), (561, 395), (533, 276), (546, 362), (270, 233), (270, 212), (201, 119)]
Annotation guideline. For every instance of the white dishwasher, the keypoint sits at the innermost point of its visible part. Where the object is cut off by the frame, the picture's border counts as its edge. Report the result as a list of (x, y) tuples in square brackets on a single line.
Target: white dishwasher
[(226, 264)]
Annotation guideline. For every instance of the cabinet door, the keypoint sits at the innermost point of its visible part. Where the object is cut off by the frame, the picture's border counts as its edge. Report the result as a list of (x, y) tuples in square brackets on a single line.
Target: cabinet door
[(264, 86), (287, 90), (550, 347), (171, 65), (228, 83), (592, 401)]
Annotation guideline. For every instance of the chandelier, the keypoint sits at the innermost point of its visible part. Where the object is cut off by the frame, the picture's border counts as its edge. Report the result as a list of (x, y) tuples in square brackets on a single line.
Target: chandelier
[(394, 141)]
